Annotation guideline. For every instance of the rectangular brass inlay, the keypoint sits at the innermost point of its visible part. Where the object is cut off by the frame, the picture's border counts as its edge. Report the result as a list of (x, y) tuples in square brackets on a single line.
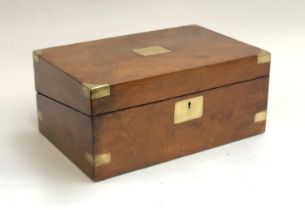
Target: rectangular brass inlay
[(153, 50), (188, 109), (260, 116)]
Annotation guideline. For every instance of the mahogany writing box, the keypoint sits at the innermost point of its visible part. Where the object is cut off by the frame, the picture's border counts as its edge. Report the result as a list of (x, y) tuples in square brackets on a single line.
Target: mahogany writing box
[(119, 104)]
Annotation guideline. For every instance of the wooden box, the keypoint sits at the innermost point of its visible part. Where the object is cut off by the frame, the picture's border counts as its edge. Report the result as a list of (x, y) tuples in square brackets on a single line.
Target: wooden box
[(119, 104)]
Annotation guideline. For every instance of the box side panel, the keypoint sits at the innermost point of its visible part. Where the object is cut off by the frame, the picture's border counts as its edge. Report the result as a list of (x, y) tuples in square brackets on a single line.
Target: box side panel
[(146, 135), (167, 86), (54, 83), (69, 130)]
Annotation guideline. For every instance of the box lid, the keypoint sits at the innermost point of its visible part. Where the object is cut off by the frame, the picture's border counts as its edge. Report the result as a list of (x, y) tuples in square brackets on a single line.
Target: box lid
[(117, 73)]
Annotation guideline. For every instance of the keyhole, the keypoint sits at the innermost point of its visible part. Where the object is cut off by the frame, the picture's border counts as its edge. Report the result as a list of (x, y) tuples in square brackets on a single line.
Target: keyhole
[(189, 104)]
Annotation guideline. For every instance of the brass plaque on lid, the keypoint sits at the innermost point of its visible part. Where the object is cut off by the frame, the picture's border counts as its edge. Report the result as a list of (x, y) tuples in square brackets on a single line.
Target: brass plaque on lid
[(153, 50)]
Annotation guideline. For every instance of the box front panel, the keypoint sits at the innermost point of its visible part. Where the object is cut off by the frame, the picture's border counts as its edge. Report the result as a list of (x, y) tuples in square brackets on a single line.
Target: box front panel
[(138, 137)]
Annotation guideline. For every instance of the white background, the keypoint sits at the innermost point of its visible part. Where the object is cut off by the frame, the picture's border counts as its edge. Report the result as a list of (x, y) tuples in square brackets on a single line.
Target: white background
[(262, 172)]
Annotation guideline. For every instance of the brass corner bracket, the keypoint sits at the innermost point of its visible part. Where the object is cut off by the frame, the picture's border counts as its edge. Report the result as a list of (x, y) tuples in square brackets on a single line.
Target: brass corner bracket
[(37, 54), (94, 91), (39, 115), (98, 160), (260, 116), (263, 57)]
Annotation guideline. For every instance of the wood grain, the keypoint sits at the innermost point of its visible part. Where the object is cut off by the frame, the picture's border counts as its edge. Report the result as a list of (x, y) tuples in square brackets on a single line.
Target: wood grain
[(146, 135), (200, 59), (134, 126), (113, 60), (154, 89), (54, 83), (69, 130)]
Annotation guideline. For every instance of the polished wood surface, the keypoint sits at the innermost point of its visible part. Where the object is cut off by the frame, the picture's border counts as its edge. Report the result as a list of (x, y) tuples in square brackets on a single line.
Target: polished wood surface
[(59, 86), (69, 130), (135, 93), (134, 126), (113, 61), (200, 59), (146, 135)]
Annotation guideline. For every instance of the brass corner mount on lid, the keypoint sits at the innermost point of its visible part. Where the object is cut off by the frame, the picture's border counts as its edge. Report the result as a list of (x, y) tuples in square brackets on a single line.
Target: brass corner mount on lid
[(37, 54), (94, 91), (263, 57)]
